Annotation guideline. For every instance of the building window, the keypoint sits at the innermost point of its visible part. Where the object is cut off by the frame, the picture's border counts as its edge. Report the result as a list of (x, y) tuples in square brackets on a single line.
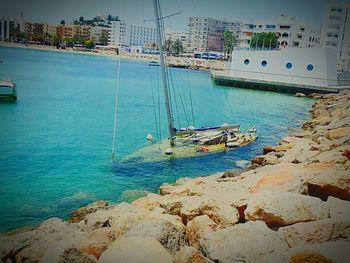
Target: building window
[(264, 63), (246, 61), (310, 67), (289, 65)]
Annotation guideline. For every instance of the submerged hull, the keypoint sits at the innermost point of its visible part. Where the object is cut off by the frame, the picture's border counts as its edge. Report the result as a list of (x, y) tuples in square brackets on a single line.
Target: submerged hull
[(156, 151)]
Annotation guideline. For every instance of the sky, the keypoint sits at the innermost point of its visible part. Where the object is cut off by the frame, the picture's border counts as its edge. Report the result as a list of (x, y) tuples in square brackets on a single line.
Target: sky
[(136, 11)]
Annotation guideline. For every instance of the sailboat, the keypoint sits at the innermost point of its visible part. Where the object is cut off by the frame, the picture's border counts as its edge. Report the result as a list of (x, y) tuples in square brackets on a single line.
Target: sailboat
[(189, 141)]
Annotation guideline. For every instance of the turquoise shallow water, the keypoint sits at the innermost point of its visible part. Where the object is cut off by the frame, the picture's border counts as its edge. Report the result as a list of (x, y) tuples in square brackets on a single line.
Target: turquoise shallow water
[(55, 141)]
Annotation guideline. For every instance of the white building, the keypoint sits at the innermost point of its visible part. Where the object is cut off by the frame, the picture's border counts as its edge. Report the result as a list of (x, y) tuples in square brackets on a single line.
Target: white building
[(291, 32), (336, 32), (293, 66), (122, 34), (117, 34), (139, 35), (8, 28)]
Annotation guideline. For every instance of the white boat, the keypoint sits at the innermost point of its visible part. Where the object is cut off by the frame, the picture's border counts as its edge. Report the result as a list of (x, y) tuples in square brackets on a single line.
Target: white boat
[(189, 141), (8, 90), (153, 63)]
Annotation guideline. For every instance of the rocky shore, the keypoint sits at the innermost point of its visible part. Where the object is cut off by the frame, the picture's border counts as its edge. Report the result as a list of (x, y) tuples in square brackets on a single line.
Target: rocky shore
[(291, 205)]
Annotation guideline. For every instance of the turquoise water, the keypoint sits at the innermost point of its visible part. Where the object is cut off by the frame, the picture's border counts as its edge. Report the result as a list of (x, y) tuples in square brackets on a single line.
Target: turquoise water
[(55, 141)]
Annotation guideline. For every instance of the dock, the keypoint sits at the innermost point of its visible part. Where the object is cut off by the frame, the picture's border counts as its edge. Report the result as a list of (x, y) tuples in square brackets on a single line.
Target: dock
[(8, 90), (229, 78)]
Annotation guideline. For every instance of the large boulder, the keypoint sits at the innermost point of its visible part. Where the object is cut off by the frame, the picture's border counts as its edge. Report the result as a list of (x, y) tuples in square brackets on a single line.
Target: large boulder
[(168, 234), (328, 252), (80, 214), (335, 184), (149, 202), (136, 249), (190, 255), (264, 160), (339, 209), (279, 179), (281, 209), (249, 242), (197, 228), (120, 216), (338, 133), (67, 255), (189, 207), (52, 237), (316, 231), (99, 240)]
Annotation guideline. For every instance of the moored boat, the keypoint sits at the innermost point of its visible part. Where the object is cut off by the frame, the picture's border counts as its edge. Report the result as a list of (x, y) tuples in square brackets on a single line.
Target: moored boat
[(8, 90)]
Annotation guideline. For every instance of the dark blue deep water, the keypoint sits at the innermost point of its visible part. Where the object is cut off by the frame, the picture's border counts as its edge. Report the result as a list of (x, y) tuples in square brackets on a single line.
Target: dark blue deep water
[(56, 140)]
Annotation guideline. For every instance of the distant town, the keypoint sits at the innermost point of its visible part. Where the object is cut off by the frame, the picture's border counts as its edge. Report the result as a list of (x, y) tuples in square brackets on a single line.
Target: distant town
[(206, 37)]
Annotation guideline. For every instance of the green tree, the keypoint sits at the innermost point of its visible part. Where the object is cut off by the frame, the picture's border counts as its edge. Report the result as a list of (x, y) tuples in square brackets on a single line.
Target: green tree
[(264, 40), (63, 22), (81, 20), (229, 42), (177, 47), (104, 38), (69, 42), (89, 43), (56, 41), (168, 45)]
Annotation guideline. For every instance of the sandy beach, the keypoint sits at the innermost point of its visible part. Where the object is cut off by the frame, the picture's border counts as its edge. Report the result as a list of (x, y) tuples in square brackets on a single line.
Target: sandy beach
[(190, 63)]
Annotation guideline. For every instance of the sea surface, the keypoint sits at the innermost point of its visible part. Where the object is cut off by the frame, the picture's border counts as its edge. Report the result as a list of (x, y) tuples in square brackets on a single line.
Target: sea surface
[(56, 139)]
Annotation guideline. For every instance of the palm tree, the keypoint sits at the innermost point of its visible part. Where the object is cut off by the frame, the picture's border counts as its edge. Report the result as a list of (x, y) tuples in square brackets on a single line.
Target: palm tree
[(229, 42)]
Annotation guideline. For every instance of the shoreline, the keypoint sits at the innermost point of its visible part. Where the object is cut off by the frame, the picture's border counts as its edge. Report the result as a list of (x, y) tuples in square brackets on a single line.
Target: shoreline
[(180, 62), (283, 208)]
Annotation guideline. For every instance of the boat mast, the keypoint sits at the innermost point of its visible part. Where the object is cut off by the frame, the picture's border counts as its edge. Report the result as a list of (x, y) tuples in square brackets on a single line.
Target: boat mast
[(163, 72)]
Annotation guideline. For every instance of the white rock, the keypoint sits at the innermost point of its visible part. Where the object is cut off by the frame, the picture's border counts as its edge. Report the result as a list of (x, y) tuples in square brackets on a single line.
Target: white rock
[(249, 242), (134, 250)]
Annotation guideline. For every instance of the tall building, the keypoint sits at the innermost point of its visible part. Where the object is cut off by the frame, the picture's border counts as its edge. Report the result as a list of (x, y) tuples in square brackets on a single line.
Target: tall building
[(122, 34), (336, 32), (139, 35), (205, 34), (291, 32), (117, 33), (9, 28), (35, 31)]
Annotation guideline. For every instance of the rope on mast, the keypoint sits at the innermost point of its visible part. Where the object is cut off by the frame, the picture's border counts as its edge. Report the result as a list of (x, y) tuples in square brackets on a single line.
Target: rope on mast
[(116, 107), (117, 96)]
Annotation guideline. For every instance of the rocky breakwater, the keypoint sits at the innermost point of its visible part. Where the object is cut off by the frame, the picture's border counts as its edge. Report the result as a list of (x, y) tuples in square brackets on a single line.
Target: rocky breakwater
[(292, 205)]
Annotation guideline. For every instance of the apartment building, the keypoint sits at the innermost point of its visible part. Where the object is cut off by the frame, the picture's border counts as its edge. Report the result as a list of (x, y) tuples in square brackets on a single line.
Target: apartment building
[(291, 32), (117, 33), (139, 35), (122, 34), (336, 32), (9, 27), (35, 31), (205, 34), (235, 27), (97, 31)]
